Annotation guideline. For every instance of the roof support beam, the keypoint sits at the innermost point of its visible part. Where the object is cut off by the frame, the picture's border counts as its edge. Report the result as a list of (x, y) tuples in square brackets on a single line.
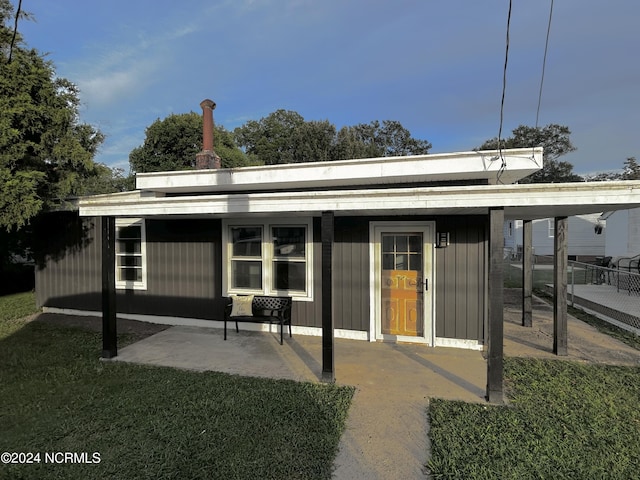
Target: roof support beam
[(327, 234), (109, 331), (560, 262), (527, 274), (495, 332)]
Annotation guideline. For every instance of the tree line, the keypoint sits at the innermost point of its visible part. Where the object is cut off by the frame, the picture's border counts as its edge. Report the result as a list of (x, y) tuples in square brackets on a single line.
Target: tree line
[(283, 136)]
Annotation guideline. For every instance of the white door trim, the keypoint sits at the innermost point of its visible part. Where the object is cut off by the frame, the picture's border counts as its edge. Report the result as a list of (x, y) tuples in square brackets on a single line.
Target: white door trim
[(427, 228)]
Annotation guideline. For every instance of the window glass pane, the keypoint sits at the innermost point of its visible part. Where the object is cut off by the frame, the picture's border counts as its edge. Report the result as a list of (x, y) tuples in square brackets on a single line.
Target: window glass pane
[(402, 243), (246, 274), (131, 231), (415, 243), (415, 262), (387, 243), (129, 246), (130, 274), (289, 276), (387, 261), (289, 241), (401, 262), (247, 241), (129, 261)]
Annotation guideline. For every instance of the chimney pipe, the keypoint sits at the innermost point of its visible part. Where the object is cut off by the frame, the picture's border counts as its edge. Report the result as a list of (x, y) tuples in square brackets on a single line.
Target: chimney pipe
[(207, 158)]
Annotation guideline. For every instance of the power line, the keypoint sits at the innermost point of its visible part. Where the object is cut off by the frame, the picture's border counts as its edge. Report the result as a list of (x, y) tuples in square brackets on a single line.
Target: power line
[(544, 63), (504, 88)]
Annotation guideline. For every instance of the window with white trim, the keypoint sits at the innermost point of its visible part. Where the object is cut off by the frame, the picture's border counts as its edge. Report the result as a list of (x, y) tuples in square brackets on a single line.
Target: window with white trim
[(552, 227), (131, 253), (268, 258)]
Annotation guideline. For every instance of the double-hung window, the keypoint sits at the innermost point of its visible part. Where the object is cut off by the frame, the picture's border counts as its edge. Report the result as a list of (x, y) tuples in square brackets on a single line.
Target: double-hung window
[(131, 262), (268, 257)]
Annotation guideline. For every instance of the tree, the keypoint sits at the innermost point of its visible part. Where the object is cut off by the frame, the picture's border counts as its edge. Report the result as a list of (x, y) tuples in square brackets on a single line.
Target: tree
[(555, 141), (285, 137), (375, 140), (631, 169), (272, 139), (45, 153), (172, 144)]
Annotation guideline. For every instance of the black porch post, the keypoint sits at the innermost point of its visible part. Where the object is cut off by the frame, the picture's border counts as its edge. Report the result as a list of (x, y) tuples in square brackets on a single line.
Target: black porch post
[(527, 274), (328, 374), (560, 261), (109, 333), (496, 305)]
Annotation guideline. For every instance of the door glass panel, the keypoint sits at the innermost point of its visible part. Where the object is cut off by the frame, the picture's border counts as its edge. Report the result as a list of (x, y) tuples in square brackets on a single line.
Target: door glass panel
[(415, 262), (387, 261), (415, 243), (401, 284), (402, 243)]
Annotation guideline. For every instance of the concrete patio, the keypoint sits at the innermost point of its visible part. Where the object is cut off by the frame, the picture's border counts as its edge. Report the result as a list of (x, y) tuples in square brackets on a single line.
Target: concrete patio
[(387, 433)]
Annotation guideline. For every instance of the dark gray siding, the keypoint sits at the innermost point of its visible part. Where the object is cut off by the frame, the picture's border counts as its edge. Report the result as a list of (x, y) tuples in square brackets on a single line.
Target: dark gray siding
[(351, 274), (184, 276), (460, 278), (68, 270), (184, 272)]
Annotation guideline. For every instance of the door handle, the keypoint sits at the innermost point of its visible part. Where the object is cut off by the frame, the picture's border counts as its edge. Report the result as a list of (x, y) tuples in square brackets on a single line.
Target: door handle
[(426, 284)]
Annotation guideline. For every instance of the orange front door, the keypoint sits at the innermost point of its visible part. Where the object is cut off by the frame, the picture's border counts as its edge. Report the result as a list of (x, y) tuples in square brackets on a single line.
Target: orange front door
[(402, 284)]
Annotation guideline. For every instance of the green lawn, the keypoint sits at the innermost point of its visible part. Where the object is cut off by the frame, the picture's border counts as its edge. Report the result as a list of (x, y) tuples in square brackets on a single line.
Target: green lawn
[(153, 422), (564, 421)]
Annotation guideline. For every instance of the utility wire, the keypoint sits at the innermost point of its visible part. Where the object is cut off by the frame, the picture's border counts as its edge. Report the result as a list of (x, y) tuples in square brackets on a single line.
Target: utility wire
[(544, 63), (504, 88), (15, 31)]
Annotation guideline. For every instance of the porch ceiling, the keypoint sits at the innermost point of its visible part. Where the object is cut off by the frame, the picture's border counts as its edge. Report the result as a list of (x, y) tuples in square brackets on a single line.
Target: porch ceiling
[(524, 202)]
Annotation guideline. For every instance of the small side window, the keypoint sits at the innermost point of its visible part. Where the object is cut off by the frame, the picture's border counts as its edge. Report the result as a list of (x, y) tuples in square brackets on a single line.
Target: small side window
[(131, 262)]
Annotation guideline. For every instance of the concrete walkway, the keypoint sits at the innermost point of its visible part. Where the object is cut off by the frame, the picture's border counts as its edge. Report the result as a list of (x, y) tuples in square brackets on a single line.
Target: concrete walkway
[(386, 434)]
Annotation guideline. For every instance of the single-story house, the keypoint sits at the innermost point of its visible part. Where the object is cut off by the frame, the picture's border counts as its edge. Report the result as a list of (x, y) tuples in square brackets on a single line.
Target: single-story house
[(623, 233), (383, 249), (586, 237)]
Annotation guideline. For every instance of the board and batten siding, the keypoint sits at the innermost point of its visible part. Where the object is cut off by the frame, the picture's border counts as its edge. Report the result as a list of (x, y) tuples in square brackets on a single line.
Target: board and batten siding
[(184, 278), (461, 278), (184, 273), (351, 273)]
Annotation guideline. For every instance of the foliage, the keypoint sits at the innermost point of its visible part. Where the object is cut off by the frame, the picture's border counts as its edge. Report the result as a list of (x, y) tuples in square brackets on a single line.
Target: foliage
[(154, 422), (173, 142), (565, 421), (285, 137), (108, 180), (555, 141), (45, 153), (631, 169)]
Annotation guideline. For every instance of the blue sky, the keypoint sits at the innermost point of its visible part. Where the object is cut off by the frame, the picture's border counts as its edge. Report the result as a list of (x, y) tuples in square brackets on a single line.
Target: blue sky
[(435, 66)]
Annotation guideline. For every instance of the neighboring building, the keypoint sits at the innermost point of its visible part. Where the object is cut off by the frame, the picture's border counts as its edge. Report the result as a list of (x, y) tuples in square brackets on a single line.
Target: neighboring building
[(623, 233), (586, 238)]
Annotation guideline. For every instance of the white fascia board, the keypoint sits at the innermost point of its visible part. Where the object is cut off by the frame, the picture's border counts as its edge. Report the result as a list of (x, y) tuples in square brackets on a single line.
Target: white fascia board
[(524, 201), (481, 165)]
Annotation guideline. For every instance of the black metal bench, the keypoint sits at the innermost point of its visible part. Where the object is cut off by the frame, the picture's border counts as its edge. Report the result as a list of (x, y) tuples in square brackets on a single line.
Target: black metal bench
[(264, 309)]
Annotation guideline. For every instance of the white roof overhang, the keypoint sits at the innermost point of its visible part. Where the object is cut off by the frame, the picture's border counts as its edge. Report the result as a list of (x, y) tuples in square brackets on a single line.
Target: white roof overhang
[(525, 202), (490, 167)]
